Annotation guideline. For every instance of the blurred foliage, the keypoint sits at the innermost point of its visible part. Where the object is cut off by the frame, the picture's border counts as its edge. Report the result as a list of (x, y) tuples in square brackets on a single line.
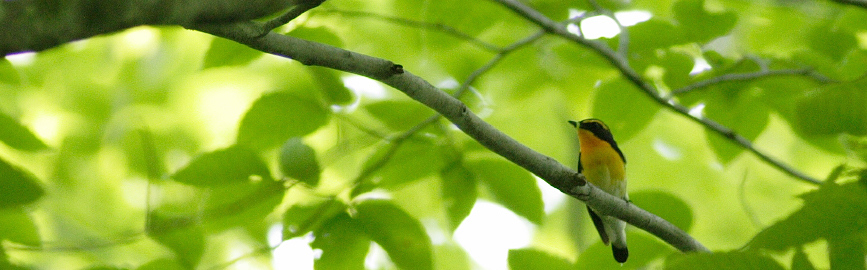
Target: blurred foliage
[(164, 148)]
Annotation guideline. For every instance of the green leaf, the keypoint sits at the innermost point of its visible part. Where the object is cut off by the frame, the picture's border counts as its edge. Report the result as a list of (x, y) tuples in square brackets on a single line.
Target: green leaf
[(224, 52), (343, 243), (244, 204), (231, 165), (186, 240), (162, 264), (624, 108), (400, 234), (399, 114), (801, 262), (18, 227), (677, 67), (512, 187), (830, 41), (458, 193), (847, 252), (17, 186), (532, 259), (401, 163), (720, 260), (665, 205), (702, 26), (646, 37), (300, 219), (319, 34), (733, 107), (834, 109), (332, 86), (298, 161), (17, 136), (8, 74), (278, 116), (643, 250), (831, 212)]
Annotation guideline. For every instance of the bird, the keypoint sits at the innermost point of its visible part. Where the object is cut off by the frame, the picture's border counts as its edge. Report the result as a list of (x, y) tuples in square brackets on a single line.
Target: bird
[(603, 165)]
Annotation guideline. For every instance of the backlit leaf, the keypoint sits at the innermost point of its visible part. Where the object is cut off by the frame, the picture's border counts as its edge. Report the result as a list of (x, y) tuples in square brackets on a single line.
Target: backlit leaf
[(298, 161), (400, 234), (278, 116), (512, 187), (231, 165)]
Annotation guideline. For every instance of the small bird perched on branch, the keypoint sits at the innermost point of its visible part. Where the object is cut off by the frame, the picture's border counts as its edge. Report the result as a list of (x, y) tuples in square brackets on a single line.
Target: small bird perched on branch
[(604, 166)]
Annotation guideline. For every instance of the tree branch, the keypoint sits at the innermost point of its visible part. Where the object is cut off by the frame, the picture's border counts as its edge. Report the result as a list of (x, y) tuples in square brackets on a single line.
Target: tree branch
[(35, 25), (622, 65), (736, 77), (554, 173)]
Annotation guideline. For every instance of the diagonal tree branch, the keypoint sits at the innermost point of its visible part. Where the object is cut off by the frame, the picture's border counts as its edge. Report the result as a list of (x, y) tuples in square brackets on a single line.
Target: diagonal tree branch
[(622, 65), (735, 77), (554, 173)]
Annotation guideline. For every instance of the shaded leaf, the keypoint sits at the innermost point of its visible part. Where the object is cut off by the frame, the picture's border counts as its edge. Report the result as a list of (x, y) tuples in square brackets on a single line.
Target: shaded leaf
[(18, 227), (400, 234), (512, 187), (231, 165), (278, 116), (298, 161), (17, 136), (624, 108), (186, 240), (397, 163), (847, 251), (399, 114), (224, 52), (739, 111), (831, 212), (244, 204), (665, 205), (319, 34), (343, 243), (801, 262), (728, 260), (300, 219), (530, 259), (17, 186), (699, 25), (458, 193), (834, 109), (645, 37), (332, 86)]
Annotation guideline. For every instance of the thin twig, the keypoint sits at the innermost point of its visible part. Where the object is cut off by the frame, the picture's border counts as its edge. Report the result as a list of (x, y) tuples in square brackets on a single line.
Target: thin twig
[(621, 64), (418, 24), (737, 77)]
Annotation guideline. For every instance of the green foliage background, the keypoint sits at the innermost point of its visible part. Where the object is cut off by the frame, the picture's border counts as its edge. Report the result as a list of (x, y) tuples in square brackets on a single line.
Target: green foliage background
[(165, 148)]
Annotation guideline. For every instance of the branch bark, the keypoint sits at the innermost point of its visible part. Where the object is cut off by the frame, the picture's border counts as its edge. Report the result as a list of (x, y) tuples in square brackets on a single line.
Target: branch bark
[(35, 25)]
